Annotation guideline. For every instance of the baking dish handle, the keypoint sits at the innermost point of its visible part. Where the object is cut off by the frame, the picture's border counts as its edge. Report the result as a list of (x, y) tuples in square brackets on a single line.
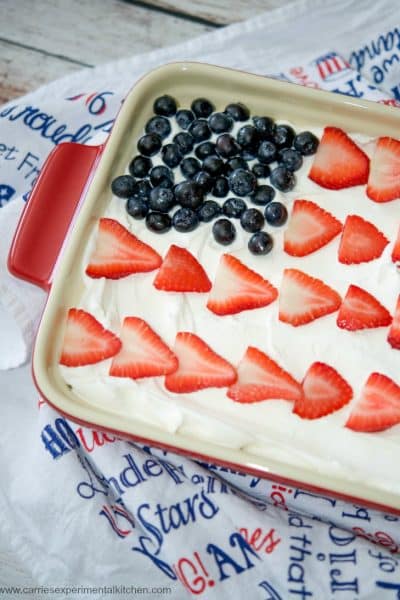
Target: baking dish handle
[(49, 212)]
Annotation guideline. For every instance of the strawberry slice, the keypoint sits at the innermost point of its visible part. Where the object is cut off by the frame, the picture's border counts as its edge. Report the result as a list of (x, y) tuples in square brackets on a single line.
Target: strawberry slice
[(339, 162), (304, 298), (378, 407), (384, 176), (86, 341), (396, 249), (324, 392), (361, 310), (310, 228), (237, 288), (119, 253), (261, 378), (143, 352), (394, 331), (361, 241), (181, 272), (199, 366)]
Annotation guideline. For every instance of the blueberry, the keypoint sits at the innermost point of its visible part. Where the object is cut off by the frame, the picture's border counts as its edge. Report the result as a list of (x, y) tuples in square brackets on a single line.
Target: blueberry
[(224, 232), (234, 207), (200, 130), (165, 106), (213, 165), (208, 211), (184, 117), (276, 214), (159, 125), (252, 220), (140, 166), (161, 199), (290, 158), (143, 189), (267, 152), (264, 194), (260, 243), (189, 167), (237, 162), (184, 141), (242, 182), (265, 127), (137, 207), (283, 179), (149, 144), (171, 155), (202, 107), (306, 143), (123, 186), (248, 138), (283, 136), (220, 122), (205, 181), (205, 149), (185, 219), (189, 194), (247, 154), (221, 187), (162, 176), (260, 170), (158, 222), (227, 146), (238, 111)]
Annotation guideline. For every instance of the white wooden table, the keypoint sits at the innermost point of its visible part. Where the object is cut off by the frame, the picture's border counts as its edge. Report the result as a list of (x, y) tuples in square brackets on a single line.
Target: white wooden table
[(41, 40)]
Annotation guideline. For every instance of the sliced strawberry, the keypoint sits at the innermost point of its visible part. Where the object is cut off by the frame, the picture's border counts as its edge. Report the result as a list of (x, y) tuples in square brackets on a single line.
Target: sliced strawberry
[(394, 331), (86, 341), (361, 241), (324, 392), (237, 288), (303, 298), (396, 249), (378, 407), (310, 227), (143, 352), (119, 253), (199, 366), (339, 162), (261, 378), (181, 272), (361, 310), (384, 176)]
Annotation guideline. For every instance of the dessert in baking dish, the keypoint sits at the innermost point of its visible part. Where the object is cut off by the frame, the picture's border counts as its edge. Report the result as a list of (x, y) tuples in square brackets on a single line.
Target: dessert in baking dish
[(243, 287)]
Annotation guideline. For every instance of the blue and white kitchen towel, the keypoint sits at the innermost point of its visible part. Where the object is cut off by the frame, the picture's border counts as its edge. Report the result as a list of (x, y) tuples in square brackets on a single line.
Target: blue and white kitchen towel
[(81, 508)]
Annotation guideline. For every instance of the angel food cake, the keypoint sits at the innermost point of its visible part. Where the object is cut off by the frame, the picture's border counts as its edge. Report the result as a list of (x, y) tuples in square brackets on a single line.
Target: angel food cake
[(243, 287)]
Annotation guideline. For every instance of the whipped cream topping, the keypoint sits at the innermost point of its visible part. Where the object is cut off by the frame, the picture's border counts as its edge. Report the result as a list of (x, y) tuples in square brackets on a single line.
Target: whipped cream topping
[(266, 428)]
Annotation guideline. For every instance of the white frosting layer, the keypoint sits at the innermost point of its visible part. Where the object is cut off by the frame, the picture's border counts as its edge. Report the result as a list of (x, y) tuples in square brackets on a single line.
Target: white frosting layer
[(267, 428)]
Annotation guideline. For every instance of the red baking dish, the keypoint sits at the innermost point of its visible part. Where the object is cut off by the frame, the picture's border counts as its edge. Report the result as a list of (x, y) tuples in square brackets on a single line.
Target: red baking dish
[(72, 193)]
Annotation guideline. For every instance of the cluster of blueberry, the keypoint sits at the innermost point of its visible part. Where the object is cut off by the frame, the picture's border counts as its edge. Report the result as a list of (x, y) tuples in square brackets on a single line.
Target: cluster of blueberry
[(228, 164)]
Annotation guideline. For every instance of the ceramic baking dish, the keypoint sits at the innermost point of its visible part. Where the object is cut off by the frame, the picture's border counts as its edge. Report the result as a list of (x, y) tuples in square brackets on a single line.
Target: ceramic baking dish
[(71, 194)]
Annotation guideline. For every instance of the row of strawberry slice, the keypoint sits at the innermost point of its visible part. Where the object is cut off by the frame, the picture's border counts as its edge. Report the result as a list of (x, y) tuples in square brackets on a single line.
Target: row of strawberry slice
[(193, 365), (339, 163)]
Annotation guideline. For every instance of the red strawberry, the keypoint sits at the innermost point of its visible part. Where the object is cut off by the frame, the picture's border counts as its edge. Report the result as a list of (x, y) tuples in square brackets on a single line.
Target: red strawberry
[(361, 310), (143, 352), (310, 227), (119, 253), (361, 241), (384, 177), (199, 366), (378, 407), (394, 331), (86, 341), (324, 392), (339, 162), (181, 272), (304, 298), (396, 249), (237, 288), (261, 378)]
